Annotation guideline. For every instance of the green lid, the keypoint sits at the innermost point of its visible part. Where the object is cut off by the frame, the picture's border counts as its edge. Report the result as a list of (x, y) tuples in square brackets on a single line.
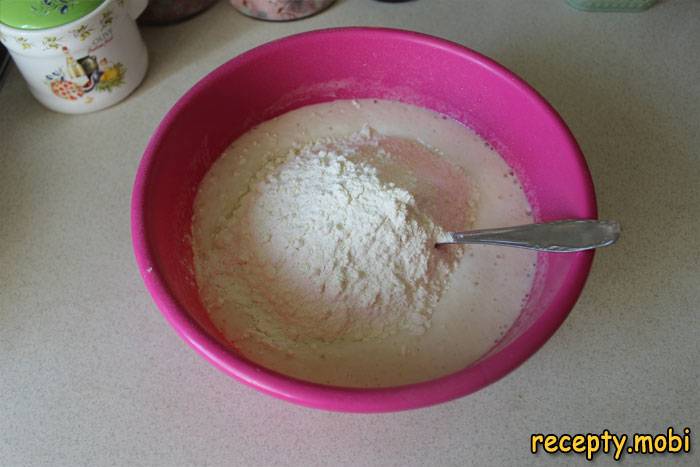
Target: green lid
[(43, 14)]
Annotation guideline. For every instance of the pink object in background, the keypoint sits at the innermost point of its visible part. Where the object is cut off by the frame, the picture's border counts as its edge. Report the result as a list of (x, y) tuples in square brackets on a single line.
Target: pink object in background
[(350, 63), (280, 10)]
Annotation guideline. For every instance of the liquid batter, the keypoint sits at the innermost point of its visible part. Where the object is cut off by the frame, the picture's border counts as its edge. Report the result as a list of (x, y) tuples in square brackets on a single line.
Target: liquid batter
[(313, 244)]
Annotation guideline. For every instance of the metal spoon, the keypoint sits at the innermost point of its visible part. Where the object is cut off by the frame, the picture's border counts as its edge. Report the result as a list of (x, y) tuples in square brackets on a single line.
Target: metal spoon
[(560, 236)]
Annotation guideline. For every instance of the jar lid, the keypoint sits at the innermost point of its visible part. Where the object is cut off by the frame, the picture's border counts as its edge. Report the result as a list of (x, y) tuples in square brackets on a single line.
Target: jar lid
[(43, 14)]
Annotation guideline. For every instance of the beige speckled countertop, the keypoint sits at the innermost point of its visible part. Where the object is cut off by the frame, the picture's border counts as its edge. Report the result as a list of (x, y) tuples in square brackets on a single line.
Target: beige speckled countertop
[(91, 374)]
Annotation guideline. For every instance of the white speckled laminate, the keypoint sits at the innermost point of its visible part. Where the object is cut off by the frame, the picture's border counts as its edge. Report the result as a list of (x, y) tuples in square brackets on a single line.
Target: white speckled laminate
[(91, 374)]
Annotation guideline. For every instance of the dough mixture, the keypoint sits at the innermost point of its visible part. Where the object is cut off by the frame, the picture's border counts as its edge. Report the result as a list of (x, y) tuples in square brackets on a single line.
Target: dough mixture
[(314, 234)]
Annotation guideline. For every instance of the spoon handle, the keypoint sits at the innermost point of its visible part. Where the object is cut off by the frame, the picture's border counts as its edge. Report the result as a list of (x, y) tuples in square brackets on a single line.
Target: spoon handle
[(560, 236)]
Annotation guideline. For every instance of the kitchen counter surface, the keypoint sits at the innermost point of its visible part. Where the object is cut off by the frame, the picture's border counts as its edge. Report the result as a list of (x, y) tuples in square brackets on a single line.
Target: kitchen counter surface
[(91, 374)]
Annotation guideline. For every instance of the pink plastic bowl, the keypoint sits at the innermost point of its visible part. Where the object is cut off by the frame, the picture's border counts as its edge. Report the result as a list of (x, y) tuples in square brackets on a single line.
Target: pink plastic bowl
[(358, 63)]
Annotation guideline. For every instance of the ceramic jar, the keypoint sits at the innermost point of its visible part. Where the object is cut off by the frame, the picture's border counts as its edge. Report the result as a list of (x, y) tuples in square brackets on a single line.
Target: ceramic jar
[(280, 10), (171, 11), (612, 5), (76, 57)]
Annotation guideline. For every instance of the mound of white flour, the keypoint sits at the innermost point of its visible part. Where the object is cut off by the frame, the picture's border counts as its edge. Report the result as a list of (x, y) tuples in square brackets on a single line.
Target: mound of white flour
[(313, 244), (324, 245)]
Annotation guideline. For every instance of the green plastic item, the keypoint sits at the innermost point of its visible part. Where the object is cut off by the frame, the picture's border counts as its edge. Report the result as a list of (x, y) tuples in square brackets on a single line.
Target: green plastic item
[(44, 14), (611, 5)]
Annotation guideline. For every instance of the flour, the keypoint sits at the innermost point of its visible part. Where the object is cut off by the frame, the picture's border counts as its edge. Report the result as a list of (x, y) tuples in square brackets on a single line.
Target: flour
[(312, 241), (324, 245)]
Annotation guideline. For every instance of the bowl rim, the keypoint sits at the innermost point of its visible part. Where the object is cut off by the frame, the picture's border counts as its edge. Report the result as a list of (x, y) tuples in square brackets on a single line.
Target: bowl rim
[(368, 400)]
